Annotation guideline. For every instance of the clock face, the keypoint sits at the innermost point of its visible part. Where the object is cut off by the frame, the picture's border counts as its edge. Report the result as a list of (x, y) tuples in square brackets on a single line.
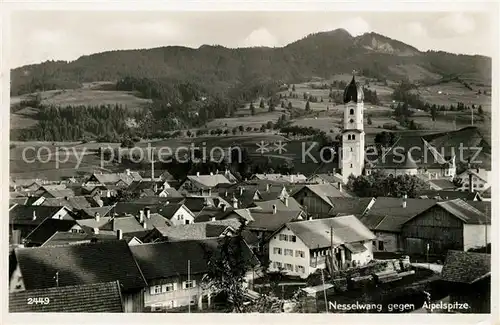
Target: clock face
[(351, 121)]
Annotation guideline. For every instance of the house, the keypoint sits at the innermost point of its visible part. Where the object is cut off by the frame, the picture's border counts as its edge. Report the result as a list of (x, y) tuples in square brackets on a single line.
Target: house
[(453, 224), (297, 178), (86, 298), (300, 248), (72, 238), (121, 180), (287, 203), (198, 203), (450, 195), (318, 199), (202, 184), (84, 264), (177, 214), (238, 194), (386, 218), (476, 180), (326, 178), (175, 271), (193, 231), (26, 185), (149, 188), (89, 213), (72, 203), (135, 224), (24, 219), (55, 191), (441, 184), (48, 228), (351, 205)]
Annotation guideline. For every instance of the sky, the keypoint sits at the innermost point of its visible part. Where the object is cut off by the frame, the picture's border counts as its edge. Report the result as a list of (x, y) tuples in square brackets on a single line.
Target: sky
[(36, 36)]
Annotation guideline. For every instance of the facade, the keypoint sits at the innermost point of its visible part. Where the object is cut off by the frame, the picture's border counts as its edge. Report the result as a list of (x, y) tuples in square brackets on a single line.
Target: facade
[(478, 178), (182, 216), (174, 292), (353, 135)]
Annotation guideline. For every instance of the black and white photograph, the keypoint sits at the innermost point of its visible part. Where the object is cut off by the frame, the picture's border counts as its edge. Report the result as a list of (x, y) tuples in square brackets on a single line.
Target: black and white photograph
[(228, 161)]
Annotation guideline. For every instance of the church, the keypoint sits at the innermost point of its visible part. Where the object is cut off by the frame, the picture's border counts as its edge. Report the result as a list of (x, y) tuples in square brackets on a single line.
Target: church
[(429, 156)]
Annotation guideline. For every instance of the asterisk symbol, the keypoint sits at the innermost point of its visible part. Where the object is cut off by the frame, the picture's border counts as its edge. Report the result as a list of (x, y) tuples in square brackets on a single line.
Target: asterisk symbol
[(262, 147), (279, 146)]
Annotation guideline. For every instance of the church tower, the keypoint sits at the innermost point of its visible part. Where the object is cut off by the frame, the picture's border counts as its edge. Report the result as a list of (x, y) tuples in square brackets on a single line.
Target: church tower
[(353, 136)]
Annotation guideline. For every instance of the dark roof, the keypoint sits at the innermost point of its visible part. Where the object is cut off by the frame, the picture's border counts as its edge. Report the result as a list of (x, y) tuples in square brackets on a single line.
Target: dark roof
[(483, 206), (167, 259), (443, 184), (23, 214), (353, 92), (71, 238), (449, 195), (268, 221), (292, 204), (466, 267), (323, 191), (76, 202), (350, 205), (388, 214), (465, 212), (156, 200), (87, 298), (130, 224), (192, 231), (47, 228), (103, 261)]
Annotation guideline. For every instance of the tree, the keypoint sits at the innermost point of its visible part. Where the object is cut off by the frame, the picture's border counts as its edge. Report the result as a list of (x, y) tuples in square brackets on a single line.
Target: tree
[(227, 266), (369, 120), (261, 105), (379, 184), (241, 128), (252, 109), (308, 106), (385, 139), (189, 133), (293, 87), (272, 107), (480, 110), (234, 130), (290, 105), (282, 104), (127, 143)]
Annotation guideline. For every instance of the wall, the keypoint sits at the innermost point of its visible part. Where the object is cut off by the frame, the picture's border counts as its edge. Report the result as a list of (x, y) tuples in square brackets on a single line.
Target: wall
[(133, 301), (295, 246), (391, 241), (311, 201), (363, 258), (16, 281), (177, 298), (474, 236), (180, 217), (478, 184)]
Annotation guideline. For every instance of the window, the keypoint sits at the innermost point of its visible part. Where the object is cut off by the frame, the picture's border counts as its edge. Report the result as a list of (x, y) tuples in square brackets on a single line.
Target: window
[(282, 237), (293, 238), (380, 245), (168, 287), (480, 185), (188, 284), (299, 269), (278, 265), (156, 307), (154, 290), (374, 243), (288, 267), (354, 137), (351, 149), (187, 222), (351, 165), (351, 111), (288, 252), (74, 230), (300, 254), (277, 250), (348, 137)]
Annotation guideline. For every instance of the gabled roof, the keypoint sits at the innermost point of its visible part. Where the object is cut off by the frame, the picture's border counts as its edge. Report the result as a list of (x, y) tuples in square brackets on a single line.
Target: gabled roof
[(92, 263), (328, 177), (208, 181), (22, 214), (442, 184), (449, 195), (465, 212), (294, 178), (131, 224), (71, 238), (168, 259), (350, 205), (316, 233), (198, 203), (267, 221), (76, 202), (87, 298), (466, 267), (87, 213), (388, 213), (47, 228), (324, 191), (192, 231), (292, 204)]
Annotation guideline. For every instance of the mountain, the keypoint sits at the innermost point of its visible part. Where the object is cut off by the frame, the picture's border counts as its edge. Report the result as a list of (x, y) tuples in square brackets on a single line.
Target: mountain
[(218, 68)]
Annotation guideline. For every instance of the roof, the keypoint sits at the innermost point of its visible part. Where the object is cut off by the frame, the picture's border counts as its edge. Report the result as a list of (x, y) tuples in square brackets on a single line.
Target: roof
[(268, 221), (449, 195), (388, 213), (71, 238), (197, 203), (465, 212), (76, 202), (486, 193), (324, 191), (103, 261), (207, 181), (87, 298), (294, 178), (353, 92), (131, 224), (23, 214), (316, 233), (292, 204), (330, 178), (113, 178), (59, 192), (466, 267), (442, 184), (91, 212), (167, 259), (350, 205), (192, 231), (48, 228)]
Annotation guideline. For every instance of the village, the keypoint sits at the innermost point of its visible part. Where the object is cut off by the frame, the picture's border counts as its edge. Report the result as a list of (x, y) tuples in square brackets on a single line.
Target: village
[(145, 241)]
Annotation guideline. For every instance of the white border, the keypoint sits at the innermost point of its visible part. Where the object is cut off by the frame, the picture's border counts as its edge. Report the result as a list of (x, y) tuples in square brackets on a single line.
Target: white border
[(361, 6)]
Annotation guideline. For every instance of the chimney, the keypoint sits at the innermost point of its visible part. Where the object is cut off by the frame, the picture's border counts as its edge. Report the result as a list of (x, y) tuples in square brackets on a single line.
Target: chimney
[(209, 192), (145, 225), (217, 172), (470, 183), (285, 199), (34, 215), (291, 178), (340, 186), (235, 203), (211, 174), (127, 171), (309, 218), (225, 193), (274, 208), (119, 234), (224, 208), (404, 200), (197, 173), (108, 193), (241, 190), (97, 216), (268, 187), (141, 216), (147, 212), (96, 231), (155, 188)]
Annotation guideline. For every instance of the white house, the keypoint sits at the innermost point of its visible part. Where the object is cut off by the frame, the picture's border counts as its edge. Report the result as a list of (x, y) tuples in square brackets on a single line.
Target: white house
[(178, 214), (300, 248), (478, 177)]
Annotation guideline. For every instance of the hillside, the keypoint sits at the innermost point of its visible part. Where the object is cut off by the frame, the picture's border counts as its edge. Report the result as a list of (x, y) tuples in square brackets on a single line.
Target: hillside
[(218, 68)]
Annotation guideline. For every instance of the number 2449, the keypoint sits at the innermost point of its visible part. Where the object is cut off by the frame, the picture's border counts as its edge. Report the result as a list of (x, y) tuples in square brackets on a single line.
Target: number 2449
[(38, 301)]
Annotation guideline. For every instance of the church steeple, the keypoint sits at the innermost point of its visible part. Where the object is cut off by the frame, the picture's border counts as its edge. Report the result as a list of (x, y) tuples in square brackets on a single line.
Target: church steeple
[(353, 92)]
